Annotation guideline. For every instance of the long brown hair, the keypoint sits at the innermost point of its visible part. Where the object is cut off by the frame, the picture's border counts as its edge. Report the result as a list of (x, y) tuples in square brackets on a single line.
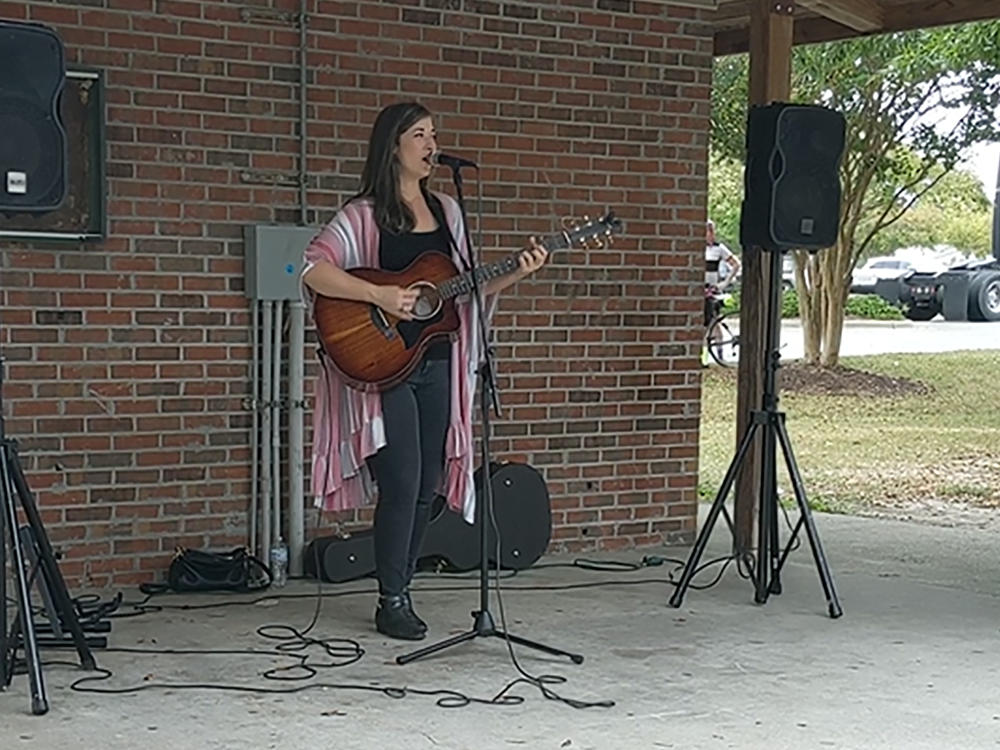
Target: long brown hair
[(380, 177)]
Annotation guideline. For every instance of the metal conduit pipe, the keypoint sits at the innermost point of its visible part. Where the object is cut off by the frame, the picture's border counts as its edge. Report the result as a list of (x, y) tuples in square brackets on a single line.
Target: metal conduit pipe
[(264, 551), (296, 452), (255, 420), (303, 87), (296, 344), (279, 307)]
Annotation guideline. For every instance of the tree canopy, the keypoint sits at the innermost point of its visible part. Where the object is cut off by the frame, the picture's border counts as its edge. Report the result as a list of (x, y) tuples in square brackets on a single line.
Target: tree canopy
[(954, 212)]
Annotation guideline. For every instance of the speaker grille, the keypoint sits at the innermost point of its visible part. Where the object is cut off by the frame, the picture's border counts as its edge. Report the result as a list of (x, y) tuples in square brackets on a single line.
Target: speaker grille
[(30, 139), (32, 72)]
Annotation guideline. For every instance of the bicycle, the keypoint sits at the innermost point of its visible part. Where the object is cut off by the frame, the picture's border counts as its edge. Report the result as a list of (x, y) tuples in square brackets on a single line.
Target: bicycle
[(722, 337)]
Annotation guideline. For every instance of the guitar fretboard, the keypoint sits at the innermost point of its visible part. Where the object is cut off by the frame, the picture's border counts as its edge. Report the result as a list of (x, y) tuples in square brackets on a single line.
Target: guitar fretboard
[(462, 284)]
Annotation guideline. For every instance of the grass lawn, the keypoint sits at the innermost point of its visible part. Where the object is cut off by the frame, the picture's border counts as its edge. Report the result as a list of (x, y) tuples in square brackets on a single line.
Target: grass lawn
[(898, 452)]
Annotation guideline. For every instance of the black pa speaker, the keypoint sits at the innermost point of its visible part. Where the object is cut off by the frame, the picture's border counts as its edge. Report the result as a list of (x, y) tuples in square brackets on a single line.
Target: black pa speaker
[(792, 177), (33, 142)]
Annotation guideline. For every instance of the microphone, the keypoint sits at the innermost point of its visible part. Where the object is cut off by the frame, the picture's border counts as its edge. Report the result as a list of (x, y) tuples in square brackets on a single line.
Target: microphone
[(455, 162)]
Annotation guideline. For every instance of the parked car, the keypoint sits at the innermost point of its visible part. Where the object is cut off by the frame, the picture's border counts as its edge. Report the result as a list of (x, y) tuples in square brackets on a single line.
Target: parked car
[(864, 279)]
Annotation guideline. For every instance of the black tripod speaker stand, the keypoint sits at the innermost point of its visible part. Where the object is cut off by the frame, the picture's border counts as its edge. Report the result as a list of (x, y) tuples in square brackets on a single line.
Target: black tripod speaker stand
[(770, 556), (483, 624), (20, 633)]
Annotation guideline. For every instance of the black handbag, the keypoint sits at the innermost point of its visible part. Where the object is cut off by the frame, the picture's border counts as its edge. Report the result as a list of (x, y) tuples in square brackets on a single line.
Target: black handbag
[(201, 570)]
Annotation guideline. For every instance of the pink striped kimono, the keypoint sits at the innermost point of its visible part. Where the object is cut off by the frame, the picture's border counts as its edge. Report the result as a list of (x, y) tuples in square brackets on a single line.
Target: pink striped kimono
[(347, 424)]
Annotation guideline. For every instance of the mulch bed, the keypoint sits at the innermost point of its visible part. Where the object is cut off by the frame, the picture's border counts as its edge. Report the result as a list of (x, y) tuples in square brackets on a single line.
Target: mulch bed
[(796, 377)]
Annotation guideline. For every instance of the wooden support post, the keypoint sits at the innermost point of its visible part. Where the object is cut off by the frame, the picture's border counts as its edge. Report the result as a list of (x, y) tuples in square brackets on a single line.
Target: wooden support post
[(770, 80)]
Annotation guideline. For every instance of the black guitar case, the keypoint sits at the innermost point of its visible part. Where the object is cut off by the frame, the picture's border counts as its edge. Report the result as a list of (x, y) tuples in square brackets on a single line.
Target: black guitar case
[(523, 516)]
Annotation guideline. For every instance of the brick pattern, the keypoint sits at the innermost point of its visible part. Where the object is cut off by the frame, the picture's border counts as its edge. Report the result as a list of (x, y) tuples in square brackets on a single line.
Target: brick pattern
[(128, 360)]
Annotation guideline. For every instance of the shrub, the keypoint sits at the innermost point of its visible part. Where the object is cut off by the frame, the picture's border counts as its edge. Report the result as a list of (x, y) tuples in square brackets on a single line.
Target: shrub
[(732, 303), (790, 304), (871, 306)]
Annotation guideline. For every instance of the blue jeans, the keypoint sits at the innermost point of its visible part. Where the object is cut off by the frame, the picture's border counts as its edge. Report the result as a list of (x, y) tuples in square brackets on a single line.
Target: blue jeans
[(408, 469)]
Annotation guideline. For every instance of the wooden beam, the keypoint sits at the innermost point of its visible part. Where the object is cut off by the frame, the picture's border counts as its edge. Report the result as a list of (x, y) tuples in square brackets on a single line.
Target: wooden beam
[(807, 31), (860, 15), (770, 80), (921, 14)]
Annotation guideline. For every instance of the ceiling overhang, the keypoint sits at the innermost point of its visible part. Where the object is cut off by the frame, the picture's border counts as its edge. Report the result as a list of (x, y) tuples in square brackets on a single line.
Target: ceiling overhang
[(829, 20)]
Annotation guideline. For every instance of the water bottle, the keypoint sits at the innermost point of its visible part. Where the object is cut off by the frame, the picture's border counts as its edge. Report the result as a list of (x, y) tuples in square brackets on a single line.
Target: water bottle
[(279, 563)]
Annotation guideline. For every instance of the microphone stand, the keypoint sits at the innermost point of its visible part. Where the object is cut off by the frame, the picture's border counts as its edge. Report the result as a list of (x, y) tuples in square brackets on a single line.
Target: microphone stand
[(483, 623)]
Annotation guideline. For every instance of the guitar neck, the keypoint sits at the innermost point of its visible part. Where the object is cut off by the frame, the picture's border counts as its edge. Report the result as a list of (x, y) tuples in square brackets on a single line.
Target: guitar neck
[(462, 284)]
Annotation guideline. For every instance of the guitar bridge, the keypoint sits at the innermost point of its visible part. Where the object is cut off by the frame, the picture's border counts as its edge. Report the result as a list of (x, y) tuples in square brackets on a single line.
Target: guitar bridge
[(380, 322)]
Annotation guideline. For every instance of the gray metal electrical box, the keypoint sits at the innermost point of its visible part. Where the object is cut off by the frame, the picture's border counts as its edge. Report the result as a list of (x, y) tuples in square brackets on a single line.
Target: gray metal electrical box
[(273, 260)]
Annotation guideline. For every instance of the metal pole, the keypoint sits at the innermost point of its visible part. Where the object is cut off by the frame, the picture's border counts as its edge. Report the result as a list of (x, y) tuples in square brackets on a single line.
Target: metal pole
[(265, 431), (255, 419), (296, 452), (276, 424), (303, 88)]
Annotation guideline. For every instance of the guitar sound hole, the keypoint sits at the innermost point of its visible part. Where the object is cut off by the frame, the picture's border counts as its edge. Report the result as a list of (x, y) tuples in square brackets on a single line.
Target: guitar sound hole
[(428, 300)]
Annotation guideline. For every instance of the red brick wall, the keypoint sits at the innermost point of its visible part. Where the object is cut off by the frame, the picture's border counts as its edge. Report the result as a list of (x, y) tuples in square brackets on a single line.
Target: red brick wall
[(130, 406)]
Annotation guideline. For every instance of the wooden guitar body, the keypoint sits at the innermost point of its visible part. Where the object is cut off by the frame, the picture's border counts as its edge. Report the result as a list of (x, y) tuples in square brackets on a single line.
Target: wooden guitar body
[(372, 349)]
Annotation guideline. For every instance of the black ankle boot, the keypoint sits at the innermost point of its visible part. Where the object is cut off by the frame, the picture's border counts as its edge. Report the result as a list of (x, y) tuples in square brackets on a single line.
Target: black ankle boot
[(413, 614), (395, 619)]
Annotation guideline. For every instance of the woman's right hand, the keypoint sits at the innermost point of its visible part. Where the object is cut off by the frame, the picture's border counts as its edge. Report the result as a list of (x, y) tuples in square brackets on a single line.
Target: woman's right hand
[(396, 300)]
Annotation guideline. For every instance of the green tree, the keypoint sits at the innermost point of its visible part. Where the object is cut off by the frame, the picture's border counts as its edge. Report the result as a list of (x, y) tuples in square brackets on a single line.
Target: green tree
[(954, 212), (914, 103), (725, 194)]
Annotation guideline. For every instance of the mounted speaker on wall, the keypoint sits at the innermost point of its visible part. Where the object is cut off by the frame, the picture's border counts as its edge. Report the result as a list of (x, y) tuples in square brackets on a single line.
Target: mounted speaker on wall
[(33, 147), (792, 177)]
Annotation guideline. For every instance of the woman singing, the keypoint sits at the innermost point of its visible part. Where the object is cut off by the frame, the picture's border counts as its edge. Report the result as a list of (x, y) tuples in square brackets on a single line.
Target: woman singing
[(414, 439)]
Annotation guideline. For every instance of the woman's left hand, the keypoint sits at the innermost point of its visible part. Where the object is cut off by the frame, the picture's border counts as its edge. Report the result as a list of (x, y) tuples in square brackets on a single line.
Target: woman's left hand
[(532, 259)]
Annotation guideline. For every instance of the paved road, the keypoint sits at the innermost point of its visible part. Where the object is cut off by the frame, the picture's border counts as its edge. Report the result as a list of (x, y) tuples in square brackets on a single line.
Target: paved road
[(883, 337)]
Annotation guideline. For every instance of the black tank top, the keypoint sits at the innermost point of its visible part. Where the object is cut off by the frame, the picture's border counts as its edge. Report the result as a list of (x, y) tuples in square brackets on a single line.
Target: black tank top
[(397, 251)]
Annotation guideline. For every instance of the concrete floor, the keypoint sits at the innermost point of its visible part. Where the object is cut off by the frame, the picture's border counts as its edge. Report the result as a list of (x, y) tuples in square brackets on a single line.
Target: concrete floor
[(912, 664)]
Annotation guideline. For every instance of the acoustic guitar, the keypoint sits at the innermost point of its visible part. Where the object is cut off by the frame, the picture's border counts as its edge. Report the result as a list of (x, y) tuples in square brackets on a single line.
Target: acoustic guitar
[(374, 350)]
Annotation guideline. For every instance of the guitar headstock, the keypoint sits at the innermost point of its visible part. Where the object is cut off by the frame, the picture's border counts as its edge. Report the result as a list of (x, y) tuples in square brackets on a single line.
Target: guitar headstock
[(592, 232)]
